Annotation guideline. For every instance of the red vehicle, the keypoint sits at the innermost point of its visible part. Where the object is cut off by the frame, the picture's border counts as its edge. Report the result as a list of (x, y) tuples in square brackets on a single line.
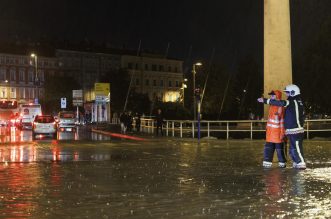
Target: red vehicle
[(9, 112)]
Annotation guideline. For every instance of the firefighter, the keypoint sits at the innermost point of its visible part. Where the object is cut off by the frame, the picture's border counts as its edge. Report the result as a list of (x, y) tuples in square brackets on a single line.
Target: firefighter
[(293, 122), (275, 133)]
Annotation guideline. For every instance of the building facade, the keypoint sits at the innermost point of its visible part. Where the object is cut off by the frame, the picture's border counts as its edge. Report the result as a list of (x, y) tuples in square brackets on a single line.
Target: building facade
[(161, 78), (18, 76), (87, 68)]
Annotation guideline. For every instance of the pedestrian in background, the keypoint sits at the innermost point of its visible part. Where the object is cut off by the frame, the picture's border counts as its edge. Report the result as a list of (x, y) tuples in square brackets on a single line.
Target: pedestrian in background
[(123, 121), (159, 122), (138, 122)]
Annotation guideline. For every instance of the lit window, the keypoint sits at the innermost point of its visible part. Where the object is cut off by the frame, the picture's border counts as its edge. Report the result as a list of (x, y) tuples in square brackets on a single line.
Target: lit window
[(12, 92)]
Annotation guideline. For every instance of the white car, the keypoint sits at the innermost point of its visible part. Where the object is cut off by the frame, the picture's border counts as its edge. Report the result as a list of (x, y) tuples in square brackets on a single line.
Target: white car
[(45, 125), (66, 121)]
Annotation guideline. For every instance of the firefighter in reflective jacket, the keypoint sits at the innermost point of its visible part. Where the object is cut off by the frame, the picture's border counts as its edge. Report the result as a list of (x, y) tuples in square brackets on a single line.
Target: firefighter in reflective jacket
[(293, 122), (275, 133)]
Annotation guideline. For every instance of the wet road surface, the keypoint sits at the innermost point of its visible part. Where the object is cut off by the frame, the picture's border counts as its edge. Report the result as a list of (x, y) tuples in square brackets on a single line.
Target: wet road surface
[(93, 177)]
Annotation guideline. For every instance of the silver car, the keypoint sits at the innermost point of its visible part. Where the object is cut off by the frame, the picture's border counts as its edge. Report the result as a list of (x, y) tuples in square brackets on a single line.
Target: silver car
[(45, 125), (66, 121)]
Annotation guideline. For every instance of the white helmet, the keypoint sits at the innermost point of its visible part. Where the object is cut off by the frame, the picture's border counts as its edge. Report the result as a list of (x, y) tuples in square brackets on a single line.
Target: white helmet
[(292, 89)]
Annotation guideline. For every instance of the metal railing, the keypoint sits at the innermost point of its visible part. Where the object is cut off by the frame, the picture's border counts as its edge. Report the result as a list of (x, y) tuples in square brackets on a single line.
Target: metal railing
[(188, 128)]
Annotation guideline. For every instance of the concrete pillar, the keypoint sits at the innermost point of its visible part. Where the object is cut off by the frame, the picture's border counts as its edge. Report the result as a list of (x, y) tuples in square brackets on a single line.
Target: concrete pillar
[(277, 45)]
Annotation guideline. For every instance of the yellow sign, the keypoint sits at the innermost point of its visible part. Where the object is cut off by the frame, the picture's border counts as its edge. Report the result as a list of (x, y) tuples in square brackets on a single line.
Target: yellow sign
[(102, 89)]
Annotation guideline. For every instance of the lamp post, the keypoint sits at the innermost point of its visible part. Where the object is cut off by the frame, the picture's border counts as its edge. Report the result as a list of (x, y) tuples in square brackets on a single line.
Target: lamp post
[(36, 80), (194, 99), (183, 90)]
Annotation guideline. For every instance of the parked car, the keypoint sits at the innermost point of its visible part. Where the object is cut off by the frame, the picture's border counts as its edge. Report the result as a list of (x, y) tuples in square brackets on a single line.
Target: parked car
[(44, 124), (66, 121)]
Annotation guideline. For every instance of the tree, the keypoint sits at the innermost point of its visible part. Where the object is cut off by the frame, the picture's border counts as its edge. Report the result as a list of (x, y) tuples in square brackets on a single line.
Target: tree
[(119, 80), (248, 87), (312, 73), (139, 103), (57, 87), (119, 84)]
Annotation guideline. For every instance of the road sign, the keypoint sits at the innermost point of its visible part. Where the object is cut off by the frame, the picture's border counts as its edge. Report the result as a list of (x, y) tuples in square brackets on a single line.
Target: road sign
[(63, 103), (101, 99), (102, 92), (102, 89), (77, 97)]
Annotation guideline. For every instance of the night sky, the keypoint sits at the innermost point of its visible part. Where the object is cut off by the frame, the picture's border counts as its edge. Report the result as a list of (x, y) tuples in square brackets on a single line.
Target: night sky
[(234, 28)]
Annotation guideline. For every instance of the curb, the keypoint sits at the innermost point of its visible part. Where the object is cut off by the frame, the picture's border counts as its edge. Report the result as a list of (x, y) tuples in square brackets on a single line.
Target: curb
[(117, 135)]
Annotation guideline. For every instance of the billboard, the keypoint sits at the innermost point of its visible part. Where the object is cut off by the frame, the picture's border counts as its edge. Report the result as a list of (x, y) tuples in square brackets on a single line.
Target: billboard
[(102, 92)]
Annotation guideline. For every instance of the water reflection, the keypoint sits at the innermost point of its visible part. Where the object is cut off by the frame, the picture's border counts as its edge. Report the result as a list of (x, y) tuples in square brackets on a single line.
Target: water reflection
[(18, 190), (18, 154), (33, 153), (169, 179), (14, 135)]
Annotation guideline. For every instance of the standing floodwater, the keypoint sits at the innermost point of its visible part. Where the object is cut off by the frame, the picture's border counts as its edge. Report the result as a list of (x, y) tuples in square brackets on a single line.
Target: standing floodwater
[(160, 178)]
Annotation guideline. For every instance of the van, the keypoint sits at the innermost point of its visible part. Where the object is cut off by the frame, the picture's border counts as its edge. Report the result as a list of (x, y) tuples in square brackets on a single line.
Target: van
[(28, 112)]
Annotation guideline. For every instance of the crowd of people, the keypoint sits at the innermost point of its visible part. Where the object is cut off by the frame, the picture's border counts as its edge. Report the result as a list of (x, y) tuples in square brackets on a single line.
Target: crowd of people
[(126, 121)]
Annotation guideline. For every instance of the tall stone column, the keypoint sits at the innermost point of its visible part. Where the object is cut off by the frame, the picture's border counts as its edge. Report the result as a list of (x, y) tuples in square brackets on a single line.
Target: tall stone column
[(277, 46)]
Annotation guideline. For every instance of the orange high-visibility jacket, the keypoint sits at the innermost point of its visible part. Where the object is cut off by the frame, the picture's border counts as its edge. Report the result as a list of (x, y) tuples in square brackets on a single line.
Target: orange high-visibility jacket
[(275, 124)]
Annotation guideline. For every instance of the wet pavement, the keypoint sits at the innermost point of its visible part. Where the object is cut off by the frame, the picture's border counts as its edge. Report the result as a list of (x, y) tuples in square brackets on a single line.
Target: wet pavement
[(90, 176)]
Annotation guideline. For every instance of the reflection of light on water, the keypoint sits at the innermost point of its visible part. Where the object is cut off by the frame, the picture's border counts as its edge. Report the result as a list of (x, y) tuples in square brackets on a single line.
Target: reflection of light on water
[(18, 154), (322, 174), (316, 206)]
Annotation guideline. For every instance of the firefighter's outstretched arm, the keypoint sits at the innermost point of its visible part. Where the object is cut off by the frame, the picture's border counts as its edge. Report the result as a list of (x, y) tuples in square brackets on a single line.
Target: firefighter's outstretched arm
[(273, 102)]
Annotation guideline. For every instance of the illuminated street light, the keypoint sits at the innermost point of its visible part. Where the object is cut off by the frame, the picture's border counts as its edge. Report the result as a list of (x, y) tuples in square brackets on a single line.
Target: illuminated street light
[(194, 99), (36, 80), (184, 85)]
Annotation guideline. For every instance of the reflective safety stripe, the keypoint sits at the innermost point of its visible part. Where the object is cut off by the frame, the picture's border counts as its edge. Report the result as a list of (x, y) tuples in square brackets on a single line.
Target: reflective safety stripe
[(297, 113), (268, 101), (295, 129), (287, 102), (274, 120), (273, 126), (299, 152)]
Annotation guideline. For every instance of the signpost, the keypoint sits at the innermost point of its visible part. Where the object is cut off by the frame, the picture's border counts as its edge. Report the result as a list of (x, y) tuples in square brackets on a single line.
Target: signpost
[(63, 103), (102, 96), (102, 92), (77, 100), (77, 97)]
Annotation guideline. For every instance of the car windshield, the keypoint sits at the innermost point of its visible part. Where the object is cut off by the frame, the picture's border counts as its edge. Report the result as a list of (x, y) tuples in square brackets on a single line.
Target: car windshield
[(44, 119), (67, 115)]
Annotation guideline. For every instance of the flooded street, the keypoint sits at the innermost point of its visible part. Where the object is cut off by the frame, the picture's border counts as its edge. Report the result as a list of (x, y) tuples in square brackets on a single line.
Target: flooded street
[(88, 176)]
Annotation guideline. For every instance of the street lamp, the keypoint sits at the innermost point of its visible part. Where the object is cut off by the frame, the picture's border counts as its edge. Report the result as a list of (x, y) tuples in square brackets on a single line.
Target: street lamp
[(36, 80), (184, 85), (194, 98)]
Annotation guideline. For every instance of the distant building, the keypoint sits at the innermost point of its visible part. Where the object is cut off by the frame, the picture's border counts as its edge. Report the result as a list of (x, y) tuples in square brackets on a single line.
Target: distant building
[(18, 75), (87, 67), (161, 78)]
